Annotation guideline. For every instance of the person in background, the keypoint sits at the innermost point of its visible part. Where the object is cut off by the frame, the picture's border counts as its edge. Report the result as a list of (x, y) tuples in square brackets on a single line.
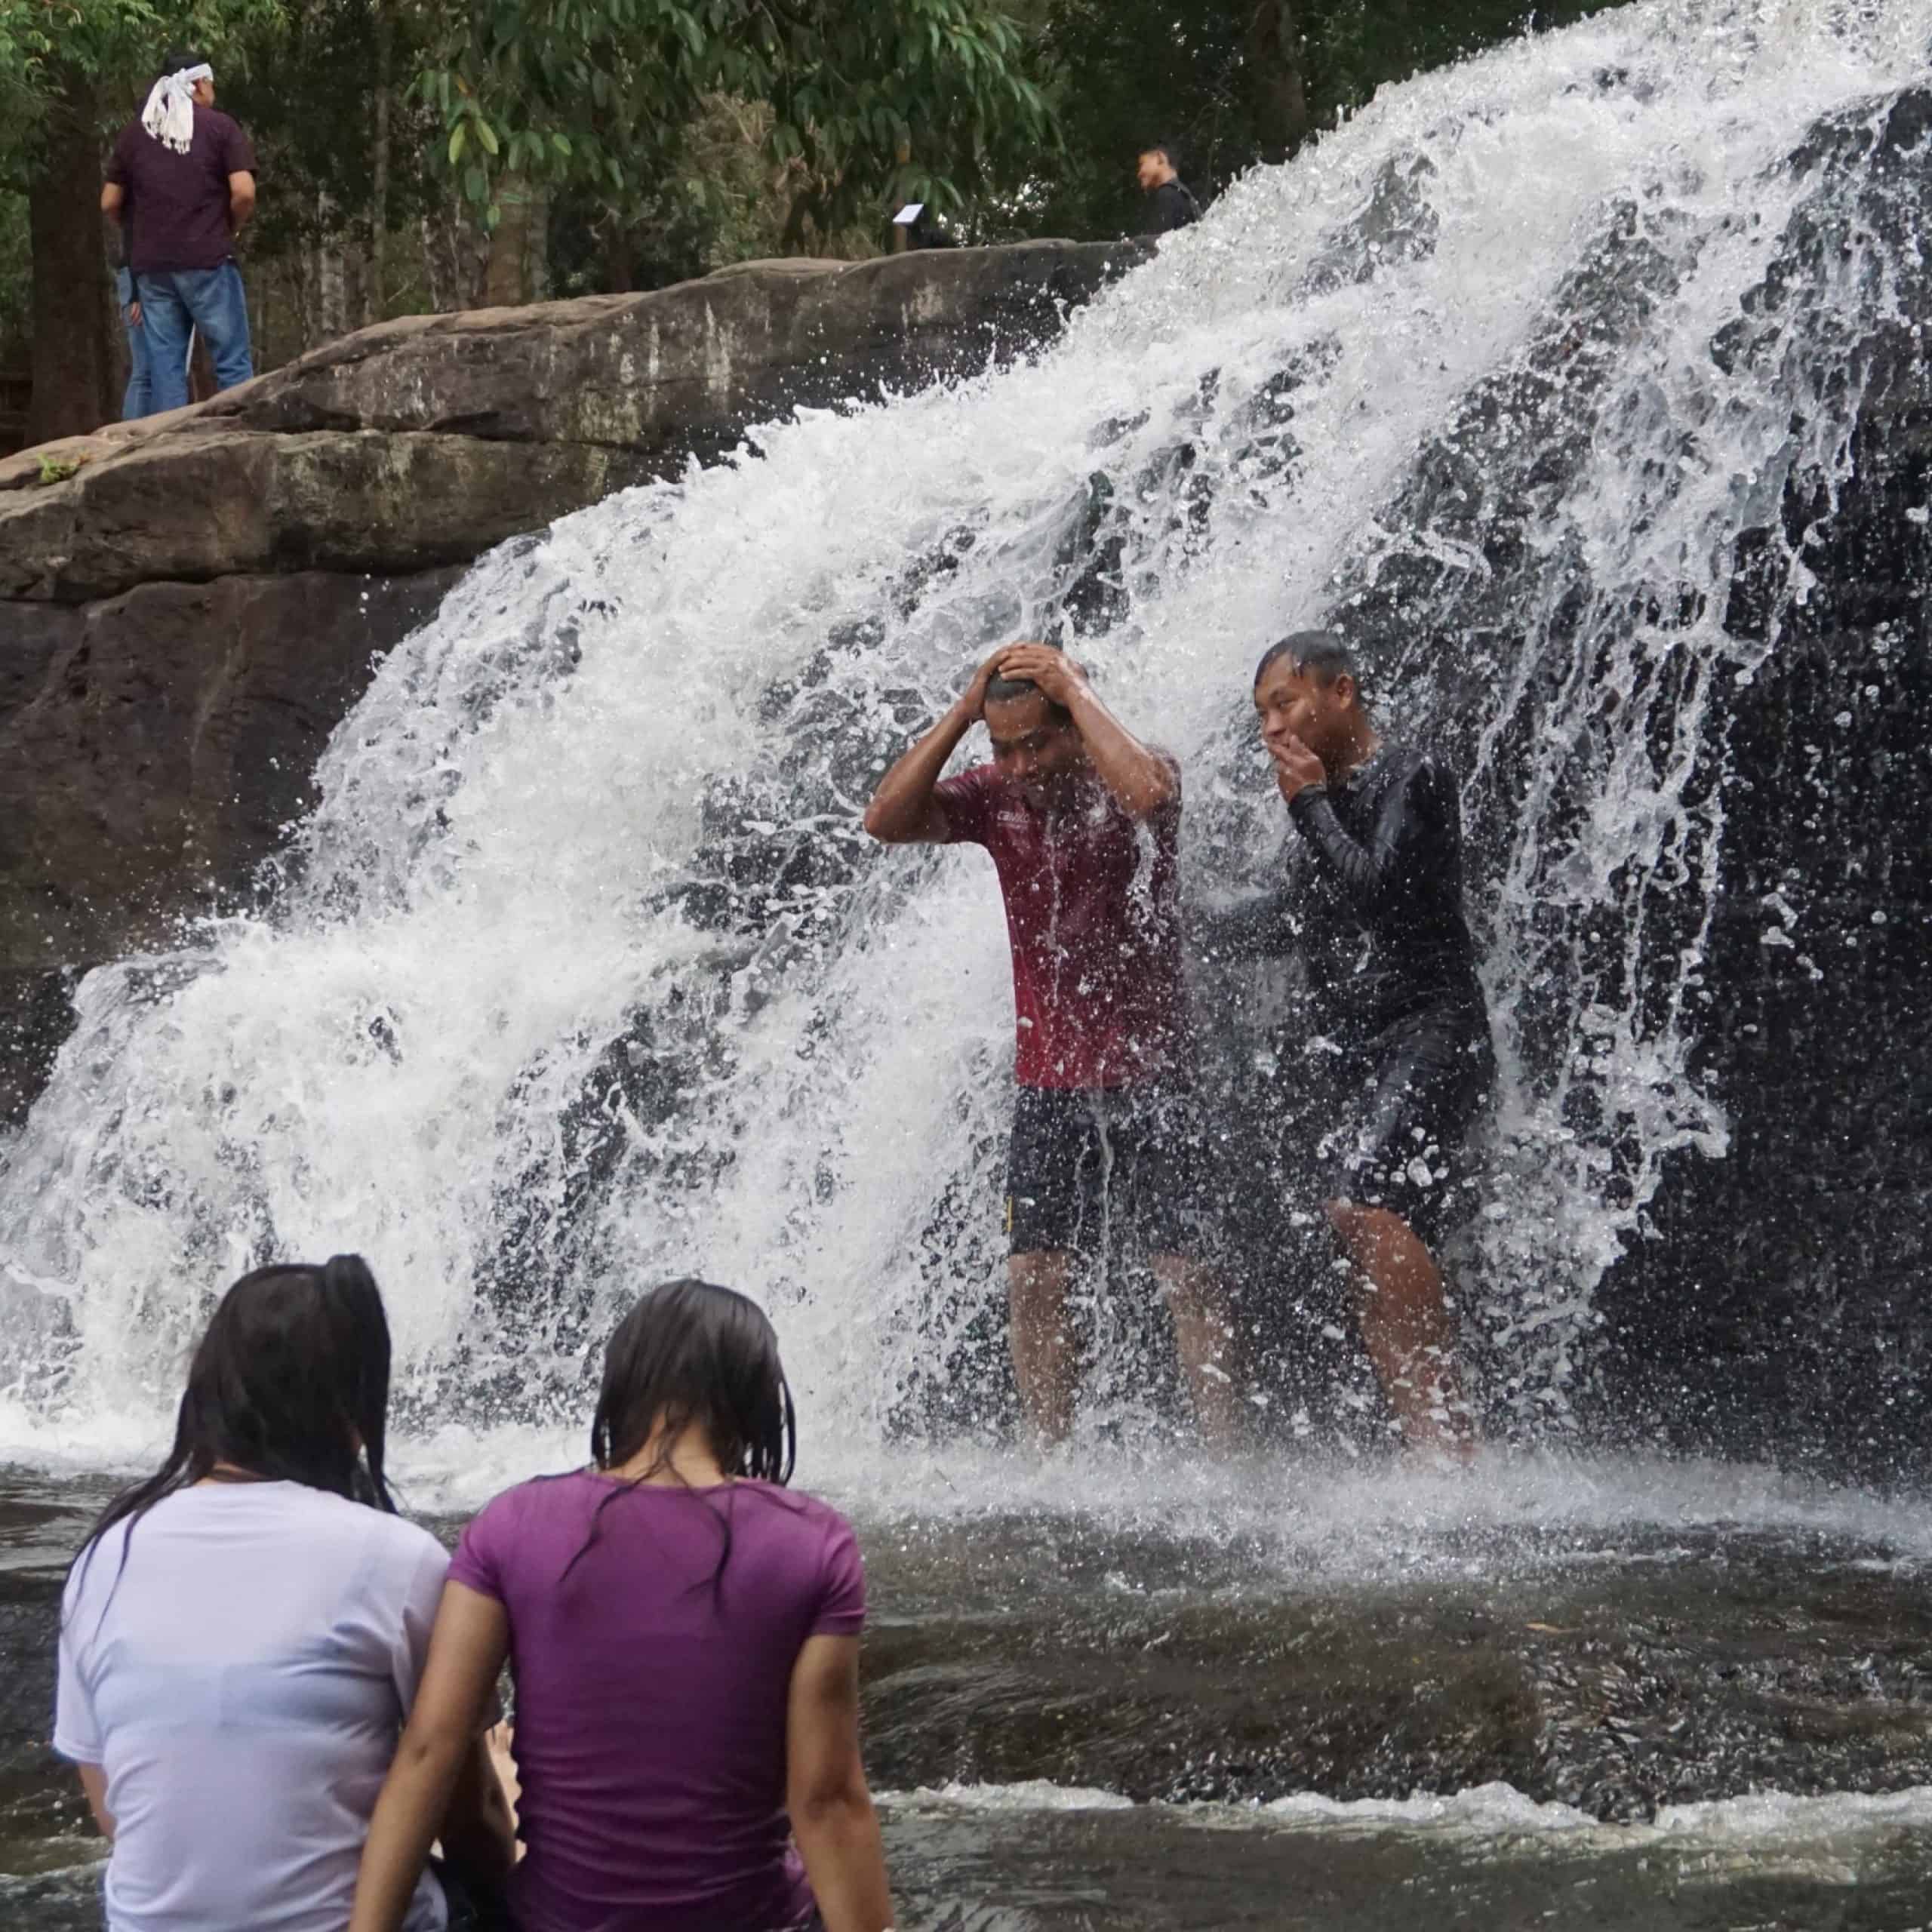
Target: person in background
[(683, 1633), (1170, 204), (242, 1634), (182, 182), (1397, 1064), (1082, 822)]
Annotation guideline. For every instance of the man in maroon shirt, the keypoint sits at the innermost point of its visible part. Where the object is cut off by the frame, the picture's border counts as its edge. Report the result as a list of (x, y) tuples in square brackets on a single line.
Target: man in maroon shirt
[(180, 183), (1082, 822)]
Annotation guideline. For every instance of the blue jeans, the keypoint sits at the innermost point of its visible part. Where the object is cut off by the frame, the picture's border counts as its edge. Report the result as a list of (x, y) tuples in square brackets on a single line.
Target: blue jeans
[(176, 301), (138, 401)]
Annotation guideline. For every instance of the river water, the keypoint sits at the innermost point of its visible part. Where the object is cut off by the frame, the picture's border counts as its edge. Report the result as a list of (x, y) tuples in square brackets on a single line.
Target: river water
[(581, 975), (1296, 1696)]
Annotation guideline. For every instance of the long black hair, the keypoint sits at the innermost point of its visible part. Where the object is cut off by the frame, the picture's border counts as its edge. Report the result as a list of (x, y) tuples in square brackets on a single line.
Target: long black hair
[(689, 1354), (290, 1383)]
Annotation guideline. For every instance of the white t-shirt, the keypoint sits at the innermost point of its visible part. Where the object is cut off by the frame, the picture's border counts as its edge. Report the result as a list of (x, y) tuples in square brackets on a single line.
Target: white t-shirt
[(243, 1681)]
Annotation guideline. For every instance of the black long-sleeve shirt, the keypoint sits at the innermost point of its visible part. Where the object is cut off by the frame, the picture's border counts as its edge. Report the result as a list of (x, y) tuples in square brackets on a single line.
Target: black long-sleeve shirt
[(1375, 909), (1170, 206)]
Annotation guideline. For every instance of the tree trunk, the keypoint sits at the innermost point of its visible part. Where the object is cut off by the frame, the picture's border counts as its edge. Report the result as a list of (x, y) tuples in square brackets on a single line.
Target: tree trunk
[(618, 269), (72, 305), (503, 273), (379, 185), (1280, 82), (536, 247), (330, 315), (435, 279)]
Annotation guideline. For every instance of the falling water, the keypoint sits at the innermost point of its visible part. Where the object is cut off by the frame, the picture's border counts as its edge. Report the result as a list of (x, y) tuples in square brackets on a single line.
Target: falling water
[(582, 973)]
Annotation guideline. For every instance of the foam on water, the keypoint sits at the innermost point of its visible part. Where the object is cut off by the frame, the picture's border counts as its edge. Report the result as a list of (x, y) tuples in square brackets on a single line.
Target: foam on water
[(1814, 1833), (581, 974)]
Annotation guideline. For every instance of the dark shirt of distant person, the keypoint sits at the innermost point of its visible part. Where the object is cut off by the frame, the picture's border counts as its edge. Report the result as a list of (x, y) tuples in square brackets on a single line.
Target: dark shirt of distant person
[(1170, 202), (181, 183), (926, 230)]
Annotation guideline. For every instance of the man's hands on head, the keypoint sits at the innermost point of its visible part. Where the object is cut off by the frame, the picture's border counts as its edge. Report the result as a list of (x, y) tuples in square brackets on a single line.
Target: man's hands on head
[(1296, 768), (1056, 674), (973, 699)]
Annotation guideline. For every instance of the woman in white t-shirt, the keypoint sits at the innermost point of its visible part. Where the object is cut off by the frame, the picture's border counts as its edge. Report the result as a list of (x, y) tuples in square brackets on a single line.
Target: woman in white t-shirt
[(243, 1633)]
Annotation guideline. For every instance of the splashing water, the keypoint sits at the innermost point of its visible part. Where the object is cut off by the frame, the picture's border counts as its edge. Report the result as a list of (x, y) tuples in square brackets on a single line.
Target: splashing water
[(582, 974)]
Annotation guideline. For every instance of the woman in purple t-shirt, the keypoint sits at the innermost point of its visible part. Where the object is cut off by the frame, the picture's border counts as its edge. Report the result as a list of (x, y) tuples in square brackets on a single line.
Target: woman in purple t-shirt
[(683, 1631)]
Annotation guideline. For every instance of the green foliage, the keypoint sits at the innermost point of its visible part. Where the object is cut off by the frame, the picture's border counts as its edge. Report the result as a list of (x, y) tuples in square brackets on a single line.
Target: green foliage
[(868, 99), (16, 271), (305, 88), (714, 199), (116, 44)]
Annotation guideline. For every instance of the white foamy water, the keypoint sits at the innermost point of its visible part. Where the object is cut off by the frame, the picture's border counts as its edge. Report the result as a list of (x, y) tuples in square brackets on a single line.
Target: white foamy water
[(581, 976), (1760, 1833)]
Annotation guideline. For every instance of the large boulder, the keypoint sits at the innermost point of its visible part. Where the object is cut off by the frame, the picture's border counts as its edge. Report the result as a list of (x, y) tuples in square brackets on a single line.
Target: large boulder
[(189, 604)]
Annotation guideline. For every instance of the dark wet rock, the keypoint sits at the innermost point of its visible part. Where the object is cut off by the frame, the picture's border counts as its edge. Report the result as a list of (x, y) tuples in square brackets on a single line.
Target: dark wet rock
[(155, 757), (1769, 1300), (1655, 1674), (1780, 1311)]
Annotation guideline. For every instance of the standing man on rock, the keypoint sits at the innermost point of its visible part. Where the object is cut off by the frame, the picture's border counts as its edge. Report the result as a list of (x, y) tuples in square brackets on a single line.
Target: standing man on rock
[(1170, 204), (182, 183), (1082, 822), (1396, 1063)]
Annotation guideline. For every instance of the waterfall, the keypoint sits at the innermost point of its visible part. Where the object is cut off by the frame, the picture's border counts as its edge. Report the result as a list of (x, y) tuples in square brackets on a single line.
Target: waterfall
[(581, 974)]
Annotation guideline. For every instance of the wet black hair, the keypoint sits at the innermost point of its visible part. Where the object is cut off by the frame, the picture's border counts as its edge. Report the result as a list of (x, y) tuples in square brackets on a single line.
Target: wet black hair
[(177, 59), (1160, 147), (692, 1353), (1320, 655), (289, 1383), (1008, 690)]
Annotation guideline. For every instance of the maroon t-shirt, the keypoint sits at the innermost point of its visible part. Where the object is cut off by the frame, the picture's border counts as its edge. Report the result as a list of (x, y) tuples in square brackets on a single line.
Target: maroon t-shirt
[(1091, 914), (175, 214)]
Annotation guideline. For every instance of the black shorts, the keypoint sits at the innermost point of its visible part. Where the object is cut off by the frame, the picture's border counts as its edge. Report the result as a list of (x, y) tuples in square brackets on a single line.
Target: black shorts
[(1401, 1116), (1097, 1171)]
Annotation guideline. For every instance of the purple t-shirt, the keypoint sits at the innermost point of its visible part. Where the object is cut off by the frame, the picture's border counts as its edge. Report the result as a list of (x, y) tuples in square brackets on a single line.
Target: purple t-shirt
[(175, 216), (650, 1708)]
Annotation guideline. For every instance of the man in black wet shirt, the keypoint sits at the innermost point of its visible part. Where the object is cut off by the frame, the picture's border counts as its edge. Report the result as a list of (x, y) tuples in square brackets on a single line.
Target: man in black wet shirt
[(1170, 203), (1396, 1062)]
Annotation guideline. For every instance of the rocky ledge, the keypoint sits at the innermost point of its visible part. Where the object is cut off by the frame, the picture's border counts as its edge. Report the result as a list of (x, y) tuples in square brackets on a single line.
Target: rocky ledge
[(189, 604)]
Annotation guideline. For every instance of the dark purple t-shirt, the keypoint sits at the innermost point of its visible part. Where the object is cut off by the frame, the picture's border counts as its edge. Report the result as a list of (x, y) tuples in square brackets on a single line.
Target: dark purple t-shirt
[(650, 1739), (176, 215)]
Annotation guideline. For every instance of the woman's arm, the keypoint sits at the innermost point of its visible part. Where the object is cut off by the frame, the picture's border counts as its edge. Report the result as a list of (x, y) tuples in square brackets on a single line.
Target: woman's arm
[(478, 1831), (93, 1782), (832, 1811), (471, 1640)]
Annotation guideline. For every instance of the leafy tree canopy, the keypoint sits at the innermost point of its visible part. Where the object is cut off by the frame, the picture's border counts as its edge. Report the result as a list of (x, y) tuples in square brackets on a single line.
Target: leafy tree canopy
[(44, 44), (926, 100)]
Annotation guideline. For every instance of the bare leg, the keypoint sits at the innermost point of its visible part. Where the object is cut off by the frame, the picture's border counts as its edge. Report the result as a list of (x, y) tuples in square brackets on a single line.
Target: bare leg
[(1042, 1349), (1405, 1325), (1204, 1337)]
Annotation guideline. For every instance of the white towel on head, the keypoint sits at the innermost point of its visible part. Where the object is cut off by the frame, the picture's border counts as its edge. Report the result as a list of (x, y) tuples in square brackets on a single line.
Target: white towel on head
[(169, 115)]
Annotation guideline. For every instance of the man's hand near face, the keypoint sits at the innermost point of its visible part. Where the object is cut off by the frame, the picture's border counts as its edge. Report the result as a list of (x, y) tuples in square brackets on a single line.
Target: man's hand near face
[(1296, 769)]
